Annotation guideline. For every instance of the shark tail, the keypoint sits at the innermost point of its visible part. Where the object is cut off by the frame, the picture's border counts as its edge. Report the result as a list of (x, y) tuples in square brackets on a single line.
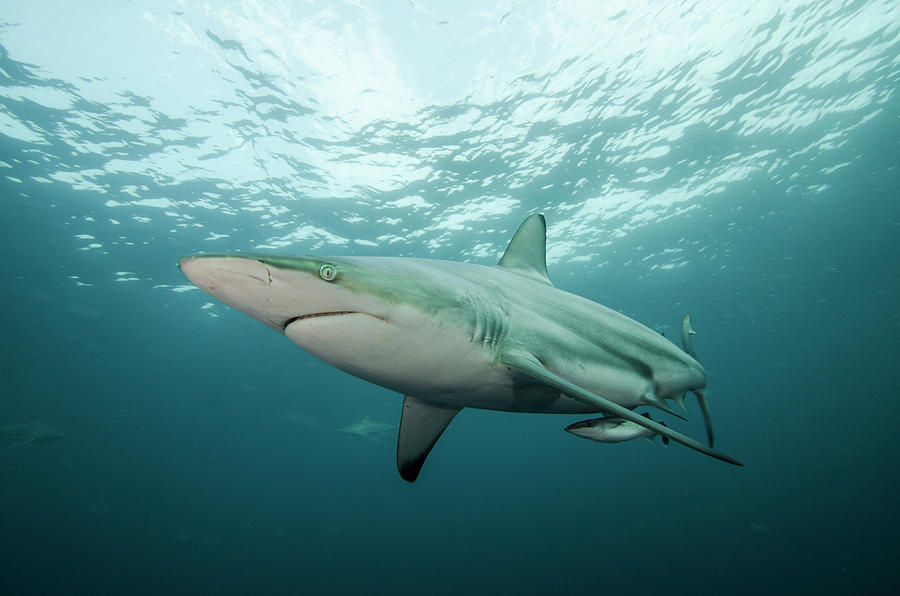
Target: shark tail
[(665, 439), (652, 438), (704, 407), (528, 364)]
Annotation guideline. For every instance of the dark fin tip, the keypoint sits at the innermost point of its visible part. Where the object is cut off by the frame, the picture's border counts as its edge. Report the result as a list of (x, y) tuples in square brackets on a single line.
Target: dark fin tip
[(409, 470)]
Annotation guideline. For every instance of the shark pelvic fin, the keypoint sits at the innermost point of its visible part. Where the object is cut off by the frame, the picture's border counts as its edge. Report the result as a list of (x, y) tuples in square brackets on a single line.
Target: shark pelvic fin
[(527, 251), (662, 405), (528, 364), (421, 425)]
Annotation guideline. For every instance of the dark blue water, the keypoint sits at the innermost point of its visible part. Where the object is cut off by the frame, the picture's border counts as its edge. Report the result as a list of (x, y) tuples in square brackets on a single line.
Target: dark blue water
[(737, 163)]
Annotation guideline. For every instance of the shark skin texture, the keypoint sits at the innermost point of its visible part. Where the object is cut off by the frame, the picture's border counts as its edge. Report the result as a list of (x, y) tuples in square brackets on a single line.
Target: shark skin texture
[(450, 335)]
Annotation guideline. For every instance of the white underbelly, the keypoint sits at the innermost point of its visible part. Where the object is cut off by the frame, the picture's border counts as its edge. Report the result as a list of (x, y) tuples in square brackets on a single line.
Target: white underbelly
[(431, 362)]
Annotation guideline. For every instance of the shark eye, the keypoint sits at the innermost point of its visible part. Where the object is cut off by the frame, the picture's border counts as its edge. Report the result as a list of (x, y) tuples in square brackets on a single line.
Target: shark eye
[(327, 272)]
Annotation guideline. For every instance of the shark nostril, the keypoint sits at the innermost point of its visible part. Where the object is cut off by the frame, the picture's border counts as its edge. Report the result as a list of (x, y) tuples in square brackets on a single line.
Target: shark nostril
[(265, 280)]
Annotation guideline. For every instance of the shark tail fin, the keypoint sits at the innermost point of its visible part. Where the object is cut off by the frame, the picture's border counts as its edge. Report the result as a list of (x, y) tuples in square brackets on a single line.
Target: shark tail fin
[(528, 364), (665, 439), (704, 407), (421, 425), (651, 438)]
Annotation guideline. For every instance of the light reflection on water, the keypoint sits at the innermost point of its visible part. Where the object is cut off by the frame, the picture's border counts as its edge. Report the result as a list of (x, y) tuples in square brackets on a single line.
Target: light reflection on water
[(417, 130)]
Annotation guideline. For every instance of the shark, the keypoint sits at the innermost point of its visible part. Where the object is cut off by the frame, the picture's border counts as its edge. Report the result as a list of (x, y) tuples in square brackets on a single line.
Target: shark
[(368, 428), (450, 335), (30, 432), (612, 430)]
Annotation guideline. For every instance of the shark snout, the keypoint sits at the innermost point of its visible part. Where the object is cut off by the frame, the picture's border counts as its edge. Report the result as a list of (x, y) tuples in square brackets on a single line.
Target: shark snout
[(213, 274), (243, 283)]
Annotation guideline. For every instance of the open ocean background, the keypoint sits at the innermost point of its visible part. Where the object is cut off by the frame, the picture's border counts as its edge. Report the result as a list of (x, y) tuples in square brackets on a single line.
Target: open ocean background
[(735, 160)]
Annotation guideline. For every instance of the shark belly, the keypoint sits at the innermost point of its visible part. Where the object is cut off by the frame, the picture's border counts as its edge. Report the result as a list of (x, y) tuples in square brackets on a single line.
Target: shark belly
[(434, 360)]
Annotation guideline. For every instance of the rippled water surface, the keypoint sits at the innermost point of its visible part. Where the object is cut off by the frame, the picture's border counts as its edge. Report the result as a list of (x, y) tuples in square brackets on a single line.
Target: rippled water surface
[(736, 160)]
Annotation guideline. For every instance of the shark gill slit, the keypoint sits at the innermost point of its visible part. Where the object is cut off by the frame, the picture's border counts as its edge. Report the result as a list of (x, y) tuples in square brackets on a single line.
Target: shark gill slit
[(489, 326)]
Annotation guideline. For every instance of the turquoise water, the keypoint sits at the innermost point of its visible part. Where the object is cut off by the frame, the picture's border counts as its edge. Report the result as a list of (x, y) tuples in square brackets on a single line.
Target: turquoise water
[(738, 161)]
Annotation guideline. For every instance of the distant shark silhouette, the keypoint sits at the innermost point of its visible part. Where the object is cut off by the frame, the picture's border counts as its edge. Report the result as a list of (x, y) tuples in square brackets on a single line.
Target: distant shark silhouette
[(368, 428), (31, 432)]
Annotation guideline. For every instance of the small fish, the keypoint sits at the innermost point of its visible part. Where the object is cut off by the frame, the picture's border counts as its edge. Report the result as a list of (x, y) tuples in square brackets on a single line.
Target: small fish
[(613, 430)]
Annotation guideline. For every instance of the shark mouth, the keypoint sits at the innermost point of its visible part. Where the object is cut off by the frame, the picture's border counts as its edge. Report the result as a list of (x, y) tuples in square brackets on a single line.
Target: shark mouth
[(313, 315)]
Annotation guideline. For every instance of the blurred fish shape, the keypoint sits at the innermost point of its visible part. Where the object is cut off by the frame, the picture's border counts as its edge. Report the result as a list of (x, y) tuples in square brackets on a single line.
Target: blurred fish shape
[(368, 429), (30, 432)]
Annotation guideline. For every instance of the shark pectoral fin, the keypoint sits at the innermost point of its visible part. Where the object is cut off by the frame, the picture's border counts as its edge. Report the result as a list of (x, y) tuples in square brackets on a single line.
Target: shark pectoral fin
[(704, 407), (530, 365), (421, 425)]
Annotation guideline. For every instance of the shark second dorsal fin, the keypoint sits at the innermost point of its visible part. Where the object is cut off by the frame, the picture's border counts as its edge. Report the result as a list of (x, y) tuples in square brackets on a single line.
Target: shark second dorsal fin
[(527, 251), (421, 425)]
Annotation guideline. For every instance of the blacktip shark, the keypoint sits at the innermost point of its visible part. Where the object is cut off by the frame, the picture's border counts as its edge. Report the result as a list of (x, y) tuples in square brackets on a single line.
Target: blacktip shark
[(451, 335), (368, 428), (30, 432)]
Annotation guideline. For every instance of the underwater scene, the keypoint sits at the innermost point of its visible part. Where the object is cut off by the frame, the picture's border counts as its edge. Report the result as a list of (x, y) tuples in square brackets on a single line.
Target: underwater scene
[(636, 265)]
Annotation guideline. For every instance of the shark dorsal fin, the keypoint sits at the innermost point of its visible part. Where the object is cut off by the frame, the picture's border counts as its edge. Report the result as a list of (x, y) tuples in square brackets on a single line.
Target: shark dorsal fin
[(527, 251)]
